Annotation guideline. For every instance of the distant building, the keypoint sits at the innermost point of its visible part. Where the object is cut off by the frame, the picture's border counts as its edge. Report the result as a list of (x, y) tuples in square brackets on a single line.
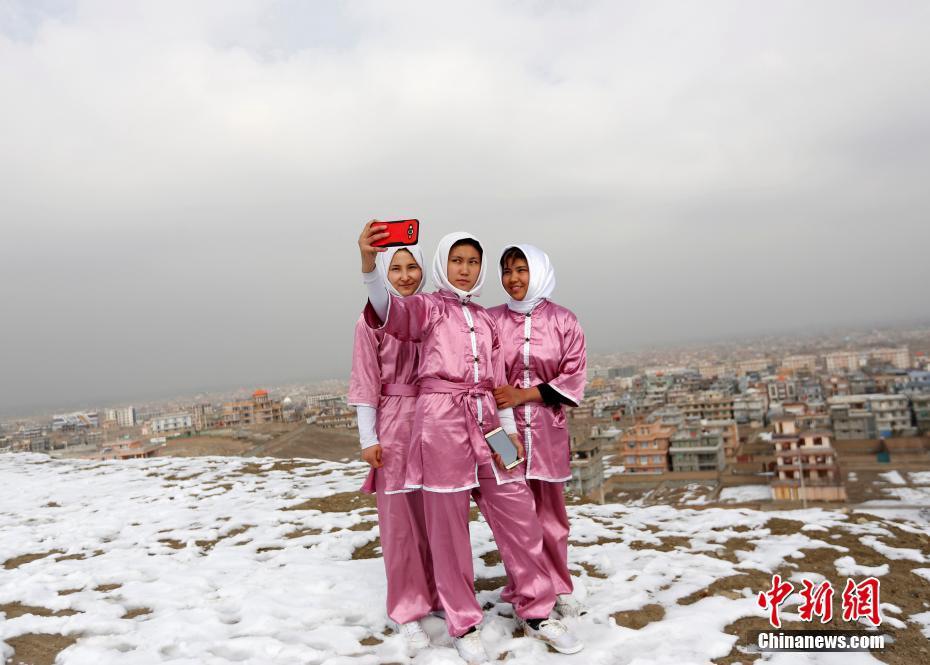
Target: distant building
[(898, 357), (922, 361), (72, 421), (851, 418), (892, 415), (328, 401), (810, 390), (346, 419), (921, 406), (30, 432), (918, 381), (749, 408), (587, 464), (644, 447), (852, 361), (694, 448), (757, 365), (806, 465), (814, 421), (836, 386), (782, 389), (204, 416), (120, 450), (669, 416), (842, 361), (126, 417), (171, 422), (32, 438), (260, 409), (729, 434), (714, 371), (862, 384), (610, 373), (800, 363), (709, 406)]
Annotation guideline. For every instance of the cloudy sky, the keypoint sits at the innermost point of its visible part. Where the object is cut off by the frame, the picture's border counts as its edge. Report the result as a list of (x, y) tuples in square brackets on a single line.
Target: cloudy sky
[(182, 183)]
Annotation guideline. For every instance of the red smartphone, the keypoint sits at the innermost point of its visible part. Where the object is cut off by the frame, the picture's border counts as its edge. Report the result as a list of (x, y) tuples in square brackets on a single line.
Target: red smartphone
[(402, 232)]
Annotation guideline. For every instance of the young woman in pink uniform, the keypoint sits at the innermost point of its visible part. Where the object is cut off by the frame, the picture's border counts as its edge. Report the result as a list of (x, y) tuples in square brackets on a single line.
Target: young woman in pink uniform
[(383, 389), (544, 353), (460, 362)]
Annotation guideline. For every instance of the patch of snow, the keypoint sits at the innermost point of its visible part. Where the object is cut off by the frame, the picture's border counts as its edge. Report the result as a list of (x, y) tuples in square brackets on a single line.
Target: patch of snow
[(745, 493), (922, 572), (893, 477), (912, 495), (893, 552), (922, 619), (919, 477), (847, 567)]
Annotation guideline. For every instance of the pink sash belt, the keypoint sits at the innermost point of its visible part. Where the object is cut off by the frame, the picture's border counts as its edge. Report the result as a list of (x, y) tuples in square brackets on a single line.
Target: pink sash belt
[(465, 395), (399, 390)]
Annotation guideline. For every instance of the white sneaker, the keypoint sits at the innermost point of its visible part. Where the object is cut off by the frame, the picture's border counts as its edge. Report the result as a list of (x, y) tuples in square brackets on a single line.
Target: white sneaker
[(555, 634), (414, 635), (471, 649), (567, 606)]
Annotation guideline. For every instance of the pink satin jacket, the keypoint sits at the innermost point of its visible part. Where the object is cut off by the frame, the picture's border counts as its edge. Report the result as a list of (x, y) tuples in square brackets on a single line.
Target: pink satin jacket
[(460, 363), (545, 346), (384, 375)]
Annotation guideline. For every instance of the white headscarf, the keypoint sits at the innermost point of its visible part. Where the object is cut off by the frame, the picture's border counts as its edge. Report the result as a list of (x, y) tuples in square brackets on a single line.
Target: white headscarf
[(542, 279), (383, 262), (441, 262)]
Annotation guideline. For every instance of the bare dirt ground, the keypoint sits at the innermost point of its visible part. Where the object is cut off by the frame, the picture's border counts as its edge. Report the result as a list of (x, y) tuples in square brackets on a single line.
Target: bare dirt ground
[(900, 587), (311, 441), (198, 446), (289, 441)]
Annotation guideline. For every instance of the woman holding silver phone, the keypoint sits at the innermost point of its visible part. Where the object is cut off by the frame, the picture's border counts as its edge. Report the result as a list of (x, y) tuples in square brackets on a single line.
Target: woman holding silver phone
[(544, 353)]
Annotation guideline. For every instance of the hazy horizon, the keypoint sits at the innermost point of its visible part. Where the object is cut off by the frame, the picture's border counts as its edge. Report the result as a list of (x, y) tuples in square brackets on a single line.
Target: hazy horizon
[(181, 391), (184, 183)]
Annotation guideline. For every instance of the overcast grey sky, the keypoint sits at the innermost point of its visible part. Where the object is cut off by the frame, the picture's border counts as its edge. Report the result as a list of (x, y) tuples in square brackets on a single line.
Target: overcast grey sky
[(183, 182)]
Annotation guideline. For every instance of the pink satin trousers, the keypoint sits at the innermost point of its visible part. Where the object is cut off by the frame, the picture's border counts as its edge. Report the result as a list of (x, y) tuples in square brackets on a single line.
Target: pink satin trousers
[(553, 519), (411, 589), (510, 512)]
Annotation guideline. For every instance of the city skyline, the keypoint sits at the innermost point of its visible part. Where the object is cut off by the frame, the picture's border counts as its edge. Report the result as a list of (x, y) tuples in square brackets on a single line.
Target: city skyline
[(185, 183), (744, 347)]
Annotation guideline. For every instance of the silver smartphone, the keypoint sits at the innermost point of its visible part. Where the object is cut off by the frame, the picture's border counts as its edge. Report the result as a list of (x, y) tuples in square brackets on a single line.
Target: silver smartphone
[(502, 445)]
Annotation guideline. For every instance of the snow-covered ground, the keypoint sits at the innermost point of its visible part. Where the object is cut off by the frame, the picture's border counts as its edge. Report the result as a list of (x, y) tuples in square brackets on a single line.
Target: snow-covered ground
[(230, 560)]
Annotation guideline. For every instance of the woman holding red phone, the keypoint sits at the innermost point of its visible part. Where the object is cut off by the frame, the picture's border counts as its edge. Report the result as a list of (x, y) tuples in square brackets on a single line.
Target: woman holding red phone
[(383, 390), (460, 362), (544, 353)]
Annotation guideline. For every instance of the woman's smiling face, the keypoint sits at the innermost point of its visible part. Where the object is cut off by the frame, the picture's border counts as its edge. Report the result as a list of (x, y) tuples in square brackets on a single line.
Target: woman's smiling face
[(515, 277), (404, 273)]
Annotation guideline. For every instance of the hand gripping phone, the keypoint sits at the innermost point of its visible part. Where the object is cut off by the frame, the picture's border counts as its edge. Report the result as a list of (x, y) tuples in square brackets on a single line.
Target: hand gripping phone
[(402, 232), (502, 445)]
